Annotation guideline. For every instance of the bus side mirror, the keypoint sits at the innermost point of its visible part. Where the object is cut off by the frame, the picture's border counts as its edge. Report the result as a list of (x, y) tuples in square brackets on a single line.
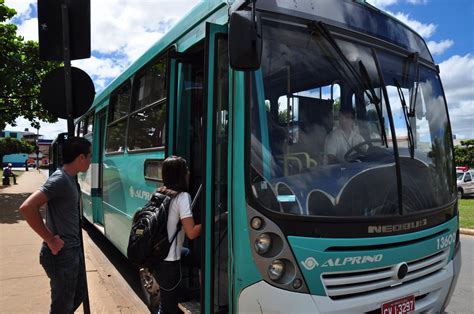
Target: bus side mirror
[(245, 41)]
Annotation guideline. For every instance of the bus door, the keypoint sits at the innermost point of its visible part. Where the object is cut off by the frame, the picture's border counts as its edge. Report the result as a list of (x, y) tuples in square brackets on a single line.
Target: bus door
[(198, 131), (217, 280), (185, 132), (98, 171)]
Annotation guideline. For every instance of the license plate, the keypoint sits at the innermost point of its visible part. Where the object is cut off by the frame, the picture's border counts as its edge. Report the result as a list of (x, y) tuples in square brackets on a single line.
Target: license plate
[(400, 306)]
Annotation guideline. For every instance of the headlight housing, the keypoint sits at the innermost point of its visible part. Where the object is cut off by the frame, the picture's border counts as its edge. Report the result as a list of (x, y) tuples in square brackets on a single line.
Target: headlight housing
[(276, 270), (263, 243)]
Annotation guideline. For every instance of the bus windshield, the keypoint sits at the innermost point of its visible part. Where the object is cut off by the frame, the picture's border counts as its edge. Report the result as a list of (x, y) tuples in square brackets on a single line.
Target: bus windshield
[(340, 128)]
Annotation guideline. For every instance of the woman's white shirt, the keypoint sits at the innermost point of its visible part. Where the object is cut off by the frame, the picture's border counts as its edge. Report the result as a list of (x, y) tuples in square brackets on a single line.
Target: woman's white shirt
[(180, 208)]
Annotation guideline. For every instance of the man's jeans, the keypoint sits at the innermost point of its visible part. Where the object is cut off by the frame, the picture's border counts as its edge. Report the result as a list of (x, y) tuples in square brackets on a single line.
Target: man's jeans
[(67, 278)]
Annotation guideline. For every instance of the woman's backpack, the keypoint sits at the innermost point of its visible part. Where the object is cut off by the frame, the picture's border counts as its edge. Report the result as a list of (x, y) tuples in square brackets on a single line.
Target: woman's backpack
[(148, 243)]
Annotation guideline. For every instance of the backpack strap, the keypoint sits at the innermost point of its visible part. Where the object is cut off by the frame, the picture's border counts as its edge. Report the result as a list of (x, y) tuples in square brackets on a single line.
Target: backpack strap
[(178, 229)]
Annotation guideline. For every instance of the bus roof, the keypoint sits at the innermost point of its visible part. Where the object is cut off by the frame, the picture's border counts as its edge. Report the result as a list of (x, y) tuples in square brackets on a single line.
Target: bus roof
[(330, 11)]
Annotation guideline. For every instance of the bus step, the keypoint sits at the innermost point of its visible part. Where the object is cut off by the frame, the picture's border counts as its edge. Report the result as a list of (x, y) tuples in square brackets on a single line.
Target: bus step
[(190, 307)]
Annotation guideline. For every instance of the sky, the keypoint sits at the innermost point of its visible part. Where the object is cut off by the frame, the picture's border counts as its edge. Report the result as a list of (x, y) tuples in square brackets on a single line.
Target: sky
[(121, 31)]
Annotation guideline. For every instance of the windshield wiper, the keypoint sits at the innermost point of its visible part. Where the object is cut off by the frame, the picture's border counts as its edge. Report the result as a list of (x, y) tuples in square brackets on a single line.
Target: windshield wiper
[(406, 115), (414, 92), (364, 81)]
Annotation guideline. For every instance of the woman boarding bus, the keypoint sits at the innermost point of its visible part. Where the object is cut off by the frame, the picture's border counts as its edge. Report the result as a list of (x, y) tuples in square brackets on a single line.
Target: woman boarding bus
[(249, 92)]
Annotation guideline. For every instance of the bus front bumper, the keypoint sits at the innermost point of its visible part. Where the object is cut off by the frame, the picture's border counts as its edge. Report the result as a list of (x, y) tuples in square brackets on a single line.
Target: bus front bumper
[(432, 296)]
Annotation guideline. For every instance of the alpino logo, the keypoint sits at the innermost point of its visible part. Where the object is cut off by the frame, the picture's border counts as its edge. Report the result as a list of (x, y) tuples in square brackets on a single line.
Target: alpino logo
[(134, 193), (310, 263)]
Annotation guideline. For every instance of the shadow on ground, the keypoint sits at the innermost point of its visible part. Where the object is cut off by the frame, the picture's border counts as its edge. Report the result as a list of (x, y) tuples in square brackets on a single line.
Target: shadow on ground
[(9, 204), (128, 271)]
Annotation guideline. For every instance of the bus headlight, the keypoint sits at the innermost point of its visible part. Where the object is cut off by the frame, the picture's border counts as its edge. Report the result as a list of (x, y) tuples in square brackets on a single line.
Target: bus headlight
[(256, 223), (263, 243), (276, 270)]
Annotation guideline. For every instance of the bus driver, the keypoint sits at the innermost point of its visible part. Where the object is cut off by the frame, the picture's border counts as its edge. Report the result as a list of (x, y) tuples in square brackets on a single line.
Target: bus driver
[(342, 138)]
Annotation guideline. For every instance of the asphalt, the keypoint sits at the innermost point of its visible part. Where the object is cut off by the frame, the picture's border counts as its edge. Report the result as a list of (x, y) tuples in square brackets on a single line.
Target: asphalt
[(24, 286)]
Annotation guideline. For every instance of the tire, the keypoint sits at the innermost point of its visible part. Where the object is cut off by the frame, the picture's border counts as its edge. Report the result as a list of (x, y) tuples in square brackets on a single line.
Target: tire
[(150, 289), (460, 193)]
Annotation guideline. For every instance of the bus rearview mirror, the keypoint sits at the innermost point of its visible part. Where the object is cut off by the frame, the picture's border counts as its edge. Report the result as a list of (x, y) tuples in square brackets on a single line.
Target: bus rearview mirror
[(245, 41)]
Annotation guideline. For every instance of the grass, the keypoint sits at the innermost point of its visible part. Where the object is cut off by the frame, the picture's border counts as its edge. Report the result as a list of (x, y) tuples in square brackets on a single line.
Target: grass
[(466, 213)]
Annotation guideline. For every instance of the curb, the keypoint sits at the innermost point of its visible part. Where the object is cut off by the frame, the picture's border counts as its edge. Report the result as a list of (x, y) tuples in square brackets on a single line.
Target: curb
[(466, 231)]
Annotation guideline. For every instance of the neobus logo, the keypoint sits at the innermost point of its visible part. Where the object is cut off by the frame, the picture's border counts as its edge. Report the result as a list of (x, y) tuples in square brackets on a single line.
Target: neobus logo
[(399, 227), (310, 263)]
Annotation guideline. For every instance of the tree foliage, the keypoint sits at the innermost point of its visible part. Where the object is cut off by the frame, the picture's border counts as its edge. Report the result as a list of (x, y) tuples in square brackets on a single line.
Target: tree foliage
[(467, 143), (464, 154), (9, 145), (21, 72)]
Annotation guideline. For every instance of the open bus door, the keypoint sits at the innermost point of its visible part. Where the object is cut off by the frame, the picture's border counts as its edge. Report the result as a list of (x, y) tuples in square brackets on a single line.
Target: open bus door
[(217, 280), (199, 131)]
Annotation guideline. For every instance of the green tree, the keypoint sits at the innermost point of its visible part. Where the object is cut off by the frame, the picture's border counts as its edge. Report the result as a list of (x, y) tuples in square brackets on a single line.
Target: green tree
[(464, 154), (467, 143), (21, 72), (9, 145)]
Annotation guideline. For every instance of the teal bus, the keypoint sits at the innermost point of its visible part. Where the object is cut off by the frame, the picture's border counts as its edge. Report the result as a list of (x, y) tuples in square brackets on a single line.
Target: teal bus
[(321, 218)]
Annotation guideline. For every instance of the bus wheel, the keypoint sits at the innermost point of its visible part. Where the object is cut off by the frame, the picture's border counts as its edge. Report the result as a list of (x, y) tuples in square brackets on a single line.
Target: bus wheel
[(460, 193), (150, 288)]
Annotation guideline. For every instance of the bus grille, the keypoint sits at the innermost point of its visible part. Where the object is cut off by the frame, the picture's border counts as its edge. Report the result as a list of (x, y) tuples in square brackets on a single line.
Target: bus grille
[(343, 285)]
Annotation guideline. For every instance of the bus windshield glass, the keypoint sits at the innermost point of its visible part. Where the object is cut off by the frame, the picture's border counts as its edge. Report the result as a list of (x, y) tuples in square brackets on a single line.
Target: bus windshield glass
[(339, 128)]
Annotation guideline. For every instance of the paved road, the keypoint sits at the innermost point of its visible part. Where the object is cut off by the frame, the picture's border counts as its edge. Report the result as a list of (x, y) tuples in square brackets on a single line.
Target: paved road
[(463, 297)]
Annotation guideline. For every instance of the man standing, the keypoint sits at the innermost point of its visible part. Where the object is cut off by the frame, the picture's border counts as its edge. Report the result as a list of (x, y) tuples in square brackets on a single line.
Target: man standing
[(61, 254)]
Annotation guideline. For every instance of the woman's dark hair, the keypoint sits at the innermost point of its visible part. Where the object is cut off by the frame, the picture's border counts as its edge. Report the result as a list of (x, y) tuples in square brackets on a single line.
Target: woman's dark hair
[(174, 171), (73, 147)]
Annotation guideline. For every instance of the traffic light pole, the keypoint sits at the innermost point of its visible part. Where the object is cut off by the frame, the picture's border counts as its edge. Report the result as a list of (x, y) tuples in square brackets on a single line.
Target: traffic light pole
[(70, 131)]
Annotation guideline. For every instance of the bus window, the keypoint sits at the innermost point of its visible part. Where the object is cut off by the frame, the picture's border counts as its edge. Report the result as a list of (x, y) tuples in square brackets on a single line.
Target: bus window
[(119, 103), (150, 87), (148, 121), (147, 128), (118, 110)]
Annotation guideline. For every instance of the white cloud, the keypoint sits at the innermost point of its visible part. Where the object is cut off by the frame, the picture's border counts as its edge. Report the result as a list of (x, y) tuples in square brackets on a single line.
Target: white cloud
[(22, 7), (457, 74), (102, 70), (425, 30), (438, 48), (121, 31), (29, 29), (418, 2)]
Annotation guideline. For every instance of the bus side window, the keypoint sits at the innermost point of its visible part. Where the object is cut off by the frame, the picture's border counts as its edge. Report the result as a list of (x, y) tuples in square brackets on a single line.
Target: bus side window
[(118, 111), (148, 120)]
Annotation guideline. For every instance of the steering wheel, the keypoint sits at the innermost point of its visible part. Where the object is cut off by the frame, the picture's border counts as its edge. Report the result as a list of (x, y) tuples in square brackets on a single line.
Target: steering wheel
[(356, 151)]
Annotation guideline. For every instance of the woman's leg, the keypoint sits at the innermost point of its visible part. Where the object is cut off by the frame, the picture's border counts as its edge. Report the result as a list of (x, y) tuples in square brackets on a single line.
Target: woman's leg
[(168, 276)]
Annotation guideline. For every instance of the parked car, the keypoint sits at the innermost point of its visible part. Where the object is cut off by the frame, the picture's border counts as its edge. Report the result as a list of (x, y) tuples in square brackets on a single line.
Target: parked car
[(465, 183)]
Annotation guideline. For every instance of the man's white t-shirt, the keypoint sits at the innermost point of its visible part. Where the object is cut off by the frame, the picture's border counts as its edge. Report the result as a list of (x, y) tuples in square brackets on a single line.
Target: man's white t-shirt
[(338, 144), (180, 208)]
